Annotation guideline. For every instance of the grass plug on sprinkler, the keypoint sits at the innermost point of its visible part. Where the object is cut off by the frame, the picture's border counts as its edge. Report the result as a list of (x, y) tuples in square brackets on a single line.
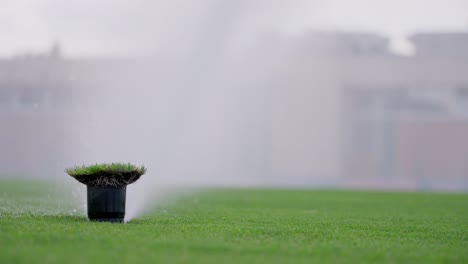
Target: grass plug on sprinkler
[(106, 187)]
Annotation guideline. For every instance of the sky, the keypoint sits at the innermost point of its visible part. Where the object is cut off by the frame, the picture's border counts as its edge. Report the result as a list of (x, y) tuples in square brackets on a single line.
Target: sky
[(103, 27)]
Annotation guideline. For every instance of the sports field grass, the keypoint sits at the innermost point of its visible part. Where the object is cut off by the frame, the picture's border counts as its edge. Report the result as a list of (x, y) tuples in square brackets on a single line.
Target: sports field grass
[(240, 226)]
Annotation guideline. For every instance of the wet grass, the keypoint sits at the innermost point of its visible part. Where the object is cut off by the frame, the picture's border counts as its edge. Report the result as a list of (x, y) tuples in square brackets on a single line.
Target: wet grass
[(240, 226), (107, 174), (105, 168)]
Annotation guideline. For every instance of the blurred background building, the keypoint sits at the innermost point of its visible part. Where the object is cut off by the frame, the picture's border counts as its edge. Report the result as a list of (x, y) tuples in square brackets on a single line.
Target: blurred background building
[(336, 109)]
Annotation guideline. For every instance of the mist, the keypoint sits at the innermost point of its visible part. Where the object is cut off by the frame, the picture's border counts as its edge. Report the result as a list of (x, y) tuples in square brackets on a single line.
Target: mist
[(237, 93), (198, 118)]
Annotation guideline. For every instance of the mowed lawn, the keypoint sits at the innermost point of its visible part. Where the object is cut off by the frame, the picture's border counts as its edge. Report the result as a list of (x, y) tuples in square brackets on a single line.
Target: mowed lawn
[(239, 226)]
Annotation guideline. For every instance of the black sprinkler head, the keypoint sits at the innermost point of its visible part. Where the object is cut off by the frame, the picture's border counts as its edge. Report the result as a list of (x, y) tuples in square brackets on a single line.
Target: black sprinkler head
[(106, 204), (107, 188)]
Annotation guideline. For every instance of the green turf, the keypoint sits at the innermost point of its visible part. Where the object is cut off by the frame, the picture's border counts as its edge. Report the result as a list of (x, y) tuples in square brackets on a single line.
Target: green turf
[(240, 226)]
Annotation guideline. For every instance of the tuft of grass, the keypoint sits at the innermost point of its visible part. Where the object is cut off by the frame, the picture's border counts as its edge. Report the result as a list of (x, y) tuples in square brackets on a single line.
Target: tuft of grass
[(107, 174), (114, 168)]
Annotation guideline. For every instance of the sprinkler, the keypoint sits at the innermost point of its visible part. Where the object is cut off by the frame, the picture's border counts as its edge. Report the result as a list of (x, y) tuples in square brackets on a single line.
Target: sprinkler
[(106, 187)]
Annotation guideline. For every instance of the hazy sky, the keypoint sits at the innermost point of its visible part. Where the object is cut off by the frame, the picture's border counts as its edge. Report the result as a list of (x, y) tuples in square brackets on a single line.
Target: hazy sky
[(90, 27)]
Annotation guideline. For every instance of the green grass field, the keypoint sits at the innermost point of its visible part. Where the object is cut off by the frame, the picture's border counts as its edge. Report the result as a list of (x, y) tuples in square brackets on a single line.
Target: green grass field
[(240, 226)]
